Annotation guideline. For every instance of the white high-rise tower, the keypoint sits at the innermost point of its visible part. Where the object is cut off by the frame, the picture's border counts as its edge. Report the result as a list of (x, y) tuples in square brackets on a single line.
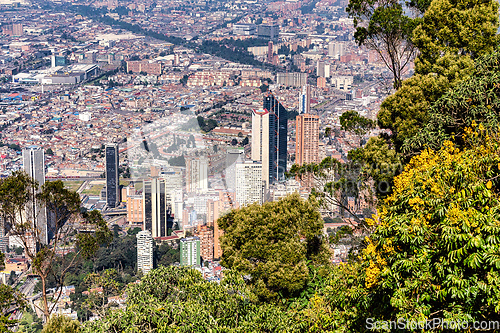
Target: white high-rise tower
[(34, 166)]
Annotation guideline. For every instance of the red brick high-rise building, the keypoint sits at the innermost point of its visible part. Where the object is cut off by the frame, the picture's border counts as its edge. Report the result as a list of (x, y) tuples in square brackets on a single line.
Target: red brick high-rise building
[(307, 139)]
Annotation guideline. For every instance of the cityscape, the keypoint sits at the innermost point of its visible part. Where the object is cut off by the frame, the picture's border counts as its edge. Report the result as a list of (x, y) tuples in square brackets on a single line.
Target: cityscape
[(179, 165)]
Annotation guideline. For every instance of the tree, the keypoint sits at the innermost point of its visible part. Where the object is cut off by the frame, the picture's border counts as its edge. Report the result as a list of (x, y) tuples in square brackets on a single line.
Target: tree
[(473, 101), (435, 252), (101, 286), (273, 244), (179, 299), (379, 165), (333, 184), (61, 324), (450, 37), (71, 230), (351, 121), (9, 299), (328, 133), (382, 26)]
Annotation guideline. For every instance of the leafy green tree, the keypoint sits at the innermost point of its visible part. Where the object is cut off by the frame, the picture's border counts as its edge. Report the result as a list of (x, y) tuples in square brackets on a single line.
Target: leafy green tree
[(351, 121), (273, 244), (333, 184), (61, 324), (101, 286), (435, 252), (177, 299), (68, 226), (446, 58), (472, 101), (383, 27), (379, 165), (9, 299), (452, 29)]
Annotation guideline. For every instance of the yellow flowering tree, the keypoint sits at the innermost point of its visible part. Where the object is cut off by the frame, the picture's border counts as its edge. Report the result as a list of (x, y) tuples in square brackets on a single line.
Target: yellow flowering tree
[(436, 250)]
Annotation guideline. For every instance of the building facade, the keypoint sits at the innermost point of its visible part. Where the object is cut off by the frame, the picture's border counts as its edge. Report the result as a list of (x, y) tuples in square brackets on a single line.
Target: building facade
[(112, 184), (190, 251), (157, 213), (269, 139), (144, 251), (34, 166), (305, 99), (249, 188), (197, 174), (307, 139)]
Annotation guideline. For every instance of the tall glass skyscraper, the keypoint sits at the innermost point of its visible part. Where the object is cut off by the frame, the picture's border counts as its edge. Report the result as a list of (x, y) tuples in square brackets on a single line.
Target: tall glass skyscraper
[(112, 184), (158, 217), (269, 139)]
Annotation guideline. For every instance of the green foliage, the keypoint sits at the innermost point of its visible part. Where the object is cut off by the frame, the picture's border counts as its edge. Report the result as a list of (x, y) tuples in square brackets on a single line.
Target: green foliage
[(9, 298), (19, 191), (273, 244), (383, 27), (206, 125), (334, 182), (455, 29), (61, 324), (174, 299), (435, 252), (379, 165), (351, 121), (473, 100), (449, 37), (166, 255), (405, 112)]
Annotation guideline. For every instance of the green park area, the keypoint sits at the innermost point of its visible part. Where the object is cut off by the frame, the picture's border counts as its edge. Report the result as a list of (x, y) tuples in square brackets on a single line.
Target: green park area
[(73, 185)]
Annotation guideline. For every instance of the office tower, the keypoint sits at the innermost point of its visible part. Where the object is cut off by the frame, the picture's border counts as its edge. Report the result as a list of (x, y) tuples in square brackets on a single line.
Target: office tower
[(34, 166), (305, 99), (135, 209), (215, 209), (268, 31), (197, 174), (144, 251), (4, 239), (307, 139), (249, 188), (336, 50), (269, 139), (190, 251), (232, 157), (17, 29), (322, 69), (270, 52), (112, 184), (206, 236), (174, 189), (291, 79), (157, 213)]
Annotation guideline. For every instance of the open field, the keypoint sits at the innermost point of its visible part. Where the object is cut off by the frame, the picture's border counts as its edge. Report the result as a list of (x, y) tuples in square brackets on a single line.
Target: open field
[(73, 185)]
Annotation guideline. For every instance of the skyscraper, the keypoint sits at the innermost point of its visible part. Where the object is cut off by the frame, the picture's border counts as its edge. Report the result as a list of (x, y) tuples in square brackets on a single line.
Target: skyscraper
[(34, 166), (232, 157), (249, 188), (197, 174), (112, 184), (157, 213), (307, 139), (305, 99), (190, 251), (270, 52), (269, 139), (144, 251)]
